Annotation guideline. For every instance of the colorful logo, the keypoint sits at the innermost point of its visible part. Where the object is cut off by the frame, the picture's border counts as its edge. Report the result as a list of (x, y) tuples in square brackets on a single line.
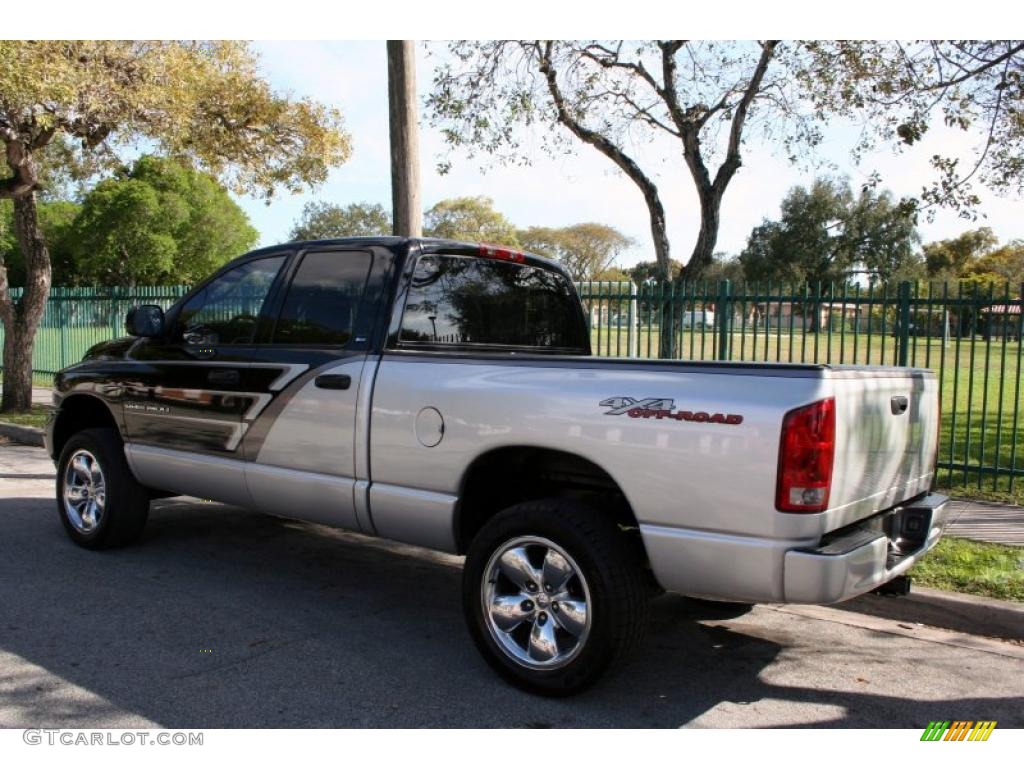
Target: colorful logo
[(958, 730), (663, 408)]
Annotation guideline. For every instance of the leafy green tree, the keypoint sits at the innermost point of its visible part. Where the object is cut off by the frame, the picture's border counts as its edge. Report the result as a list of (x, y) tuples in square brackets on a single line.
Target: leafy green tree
[(951, 258), (826, 233), (472, 219), (612, 274), (586, 250), (204, 102), (159, 222), (56, 219), (900, 89), (725, 267), (1004, 264), (647, 271), (323, 221)]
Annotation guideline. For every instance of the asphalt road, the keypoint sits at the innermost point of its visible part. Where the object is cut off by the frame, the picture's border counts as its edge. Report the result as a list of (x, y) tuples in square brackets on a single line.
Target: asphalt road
[(224, 618)]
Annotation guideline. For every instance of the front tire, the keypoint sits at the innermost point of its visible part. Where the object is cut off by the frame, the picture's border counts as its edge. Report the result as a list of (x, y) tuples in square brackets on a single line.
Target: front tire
[(99, 501), (554, 594)]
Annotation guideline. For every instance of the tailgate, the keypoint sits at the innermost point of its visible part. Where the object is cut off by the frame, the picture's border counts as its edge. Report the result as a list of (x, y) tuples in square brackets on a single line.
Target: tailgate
[(887, 422)]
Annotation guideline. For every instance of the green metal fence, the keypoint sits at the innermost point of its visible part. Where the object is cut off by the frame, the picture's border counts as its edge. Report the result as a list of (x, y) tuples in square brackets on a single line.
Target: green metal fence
[(77, 318), (967, 333)]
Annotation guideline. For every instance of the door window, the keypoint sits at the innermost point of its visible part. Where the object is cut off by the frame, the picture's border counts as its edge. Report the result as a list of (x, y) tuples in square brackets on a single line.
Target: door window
[(226, 309)]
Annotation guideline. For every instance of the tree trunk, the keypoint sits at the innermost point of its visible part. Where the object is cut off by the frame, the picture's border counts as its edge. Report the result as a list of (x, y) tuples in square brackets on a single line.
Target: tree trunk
[(17, 395), (700, 258), (667, 314), (704, 250), (21, 318), (662, 249)]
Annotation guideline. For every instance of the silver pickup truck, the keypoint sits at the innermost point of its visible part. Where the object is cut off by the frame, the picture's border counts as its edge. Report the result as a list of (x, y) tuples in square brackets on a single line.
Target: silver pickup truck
[(444, 394)]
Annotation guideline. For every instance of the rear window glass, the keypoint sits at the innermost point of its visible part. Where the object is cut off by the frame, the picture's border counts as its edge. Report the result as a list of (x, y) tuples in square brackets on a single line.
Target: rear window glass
[(458, 300)]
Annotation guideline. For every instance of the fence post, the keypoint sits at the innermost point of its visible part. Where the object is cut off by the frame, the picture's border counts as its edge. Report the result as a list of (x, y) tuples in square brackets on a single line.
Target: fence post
[(903, 323), (62, 321), (633, 336), (724, 307)]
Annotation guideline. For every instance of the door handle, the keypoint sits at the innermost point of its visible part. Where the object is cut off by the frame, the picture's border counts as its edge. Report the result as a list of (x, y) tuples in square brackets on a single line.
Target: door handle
[(333, 381), (223, 377)]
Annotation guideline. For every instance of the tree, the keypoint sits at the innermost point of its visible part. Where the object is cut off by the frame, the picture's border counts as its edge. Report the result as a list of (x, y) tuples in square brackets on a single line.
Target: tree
[(612, 275), (703, 96), (650, 271), (469, 218), (584, 249), (56, 219), (826, 233), (202, 102), (1004, 264), (725, 267), (901, 89), (322, 221), (614, 95), (158, 222), (951, 258), (880, 236)]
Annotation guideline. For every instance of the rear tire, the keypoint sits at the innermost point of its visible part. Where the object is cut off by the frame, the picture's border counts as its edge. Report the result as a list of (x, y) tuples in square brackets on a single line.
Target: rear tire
[(554, 594), (99, 501)]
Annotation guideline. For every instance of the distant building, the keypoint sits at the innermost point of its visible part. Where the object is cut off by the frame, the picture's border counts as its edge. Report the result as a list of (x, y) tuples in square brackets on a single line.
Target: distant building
[(1002, 321)]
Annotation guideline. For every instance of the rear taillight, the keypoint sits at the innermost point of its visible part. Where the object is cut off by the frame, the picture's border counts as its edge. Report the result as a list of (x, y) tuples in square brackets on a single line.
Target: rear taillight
[(501, 254), (806, 452)]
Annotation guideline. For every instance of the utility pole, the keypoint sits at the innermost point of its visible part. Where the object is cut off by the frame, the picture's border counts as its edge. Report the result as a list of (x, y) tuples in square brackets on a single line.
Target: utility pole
[(405, 158)]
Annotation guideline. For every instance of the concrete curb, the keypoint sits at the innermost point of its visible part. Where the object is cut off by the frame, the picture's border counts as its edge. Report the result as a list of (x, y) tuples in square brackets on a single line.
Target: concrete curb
[(948, 610), (23, 435)]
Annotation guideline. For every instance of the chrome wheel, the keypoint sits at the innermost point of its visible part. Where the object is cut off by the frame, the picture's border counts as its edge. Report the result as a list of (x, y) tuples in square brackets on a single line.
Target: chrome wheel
[(536, 603), (85, 491)]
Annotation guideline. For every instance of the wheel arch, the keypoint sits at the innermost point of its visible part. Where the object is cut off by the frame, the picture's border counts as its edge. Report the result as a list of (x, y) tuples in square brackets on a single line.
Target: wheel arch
[(507, 475), (77, 412)]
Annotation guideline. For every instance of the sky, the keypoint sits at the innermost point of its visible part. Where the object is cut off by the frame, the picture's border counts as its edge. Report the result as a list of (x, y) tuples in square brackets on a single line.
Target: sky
[(581, 187)]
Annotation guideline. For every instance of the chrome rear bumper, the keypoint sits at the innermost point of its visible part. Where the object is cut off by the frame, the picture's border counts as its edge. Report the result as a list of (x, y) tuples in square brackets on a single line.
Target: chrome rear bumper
[(845, 563), (856, 559)]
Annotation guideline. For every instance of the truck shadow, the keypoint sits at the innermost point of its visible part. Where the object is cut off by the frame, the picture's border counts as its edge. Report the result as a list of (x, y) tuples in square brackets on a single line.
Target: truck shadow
[(224, 618)]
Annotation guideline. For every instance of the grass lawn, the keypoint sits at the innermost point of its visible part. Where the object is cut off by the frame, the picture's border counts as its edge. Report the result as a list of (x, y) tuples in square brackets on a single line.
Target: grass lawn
[(973, 567), (34, 418), (38, 379)]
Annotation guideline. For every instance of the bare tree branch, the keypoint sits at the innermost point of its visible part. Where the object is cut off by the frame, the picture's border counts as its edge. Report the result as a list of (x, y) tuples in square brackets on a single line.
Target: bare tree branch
[(607, 148), (732, 158)]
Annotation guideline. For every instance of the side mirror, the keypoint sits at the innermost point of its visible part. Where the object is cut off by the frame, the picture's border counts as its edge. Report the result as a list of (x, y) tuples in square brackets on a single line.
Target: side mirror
[(145, 320)]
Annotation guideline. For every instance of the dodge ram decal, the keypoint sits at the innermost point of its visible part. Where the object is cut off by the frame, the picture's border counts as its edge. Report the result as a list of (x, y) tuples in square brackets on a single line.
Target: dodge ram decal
[(663, 408)]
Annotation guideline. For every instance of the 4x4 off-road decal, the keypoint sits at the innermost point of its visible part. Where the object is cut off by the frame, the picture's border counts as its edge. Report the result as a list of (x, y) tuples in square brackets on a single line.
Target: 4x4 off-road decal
[(663, 408)]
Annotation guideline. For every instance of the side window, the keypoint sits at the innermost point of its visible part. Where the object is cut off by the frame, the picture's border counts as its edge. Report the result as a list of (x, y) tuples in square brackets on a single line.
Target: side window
[(226, 309), (457, 300), (323, 299)]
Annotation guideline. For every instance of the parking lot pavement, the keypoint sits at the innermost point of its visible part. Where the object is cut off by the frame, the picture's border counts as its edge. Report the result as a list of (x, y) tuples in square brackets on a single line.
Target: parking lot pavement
[(224, 618)]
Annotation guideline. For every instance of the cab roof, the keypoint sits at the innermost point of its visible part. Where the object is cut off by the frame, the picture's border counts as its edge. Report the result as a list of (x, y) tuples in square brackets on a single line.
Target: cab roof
[(423, 245)]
